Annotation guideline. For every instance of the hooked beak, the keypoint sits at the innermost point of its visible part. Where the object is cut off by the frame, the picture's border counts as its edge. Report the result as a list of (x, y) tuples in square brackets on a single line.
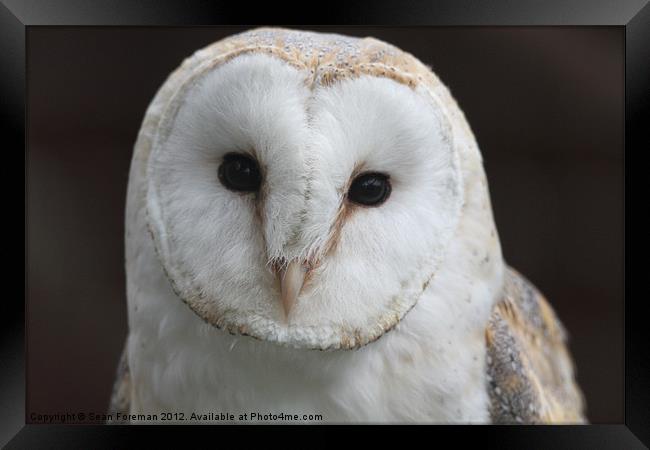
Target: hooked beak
[(292, 278)]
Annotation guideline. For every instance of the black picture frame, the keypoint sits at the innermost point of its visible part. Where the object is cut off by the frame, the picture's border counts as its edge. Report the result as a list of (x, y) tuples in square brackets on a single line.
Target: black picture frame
[(16, 18)]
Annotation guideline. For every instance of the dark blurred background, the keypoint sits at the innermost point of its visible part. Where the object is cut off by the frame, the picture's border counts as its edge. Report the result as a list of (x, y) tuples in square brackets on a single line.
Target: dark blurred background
[(546, 105)]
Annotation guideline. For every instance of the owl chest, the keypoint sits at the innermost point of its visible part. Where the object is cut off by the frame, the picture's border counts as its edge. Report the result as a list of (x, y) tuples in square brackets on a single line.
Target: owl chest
[(239, 377), (241, 382)]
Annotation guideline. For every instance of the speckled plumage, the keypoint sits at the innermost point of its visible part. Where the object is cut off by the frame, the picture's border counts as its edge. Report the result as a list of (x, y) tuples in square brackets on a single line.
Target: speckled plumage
[(450, 335), (530, 372)]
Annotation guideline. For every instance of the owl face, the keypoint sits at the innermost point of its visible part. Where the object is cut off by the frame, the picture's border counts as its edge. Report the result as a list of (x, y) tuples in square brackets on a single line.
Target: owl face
[(304, 213)]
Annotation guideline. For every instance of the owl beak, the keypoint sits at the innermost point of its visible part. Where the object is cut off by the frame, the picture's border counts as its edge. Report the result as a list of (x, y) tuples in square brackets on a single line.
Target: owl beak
[(292, 279)]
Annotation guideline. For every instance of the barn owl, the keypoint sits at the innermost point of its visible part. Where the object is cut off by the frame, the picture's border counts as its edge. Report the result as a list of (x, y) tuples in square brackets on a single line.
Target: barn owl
[(309, 237)]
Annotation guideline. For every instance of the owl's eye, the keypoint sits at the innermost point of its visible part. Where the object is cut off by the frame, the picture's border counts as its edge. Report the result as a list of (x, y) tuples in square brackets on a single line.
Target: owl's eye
[(239, 172), (370, 189)]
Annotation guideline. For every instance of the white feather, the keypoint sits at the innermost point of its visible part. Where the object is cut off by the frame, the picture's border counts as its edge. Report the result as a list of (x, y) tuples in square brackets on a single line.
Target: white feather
[(427, 261)]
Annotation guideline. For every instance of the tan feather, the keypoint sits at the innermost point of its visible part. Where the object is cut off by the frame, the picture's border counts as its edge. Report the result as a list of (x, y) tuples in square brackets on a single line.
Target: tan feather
[(121, 395), (530, 371)]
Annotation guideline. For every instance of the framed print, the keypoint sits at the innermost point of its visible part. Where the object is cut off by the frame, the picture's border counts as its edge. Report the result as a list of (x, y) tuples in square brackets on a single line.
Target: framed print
[(408, 217)]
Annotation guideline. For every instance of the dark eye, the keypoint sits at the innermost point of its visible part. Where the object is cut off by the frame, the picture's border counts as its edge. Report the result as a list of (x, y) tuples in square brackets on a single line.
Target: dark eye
[(239, 172), (370, 189)]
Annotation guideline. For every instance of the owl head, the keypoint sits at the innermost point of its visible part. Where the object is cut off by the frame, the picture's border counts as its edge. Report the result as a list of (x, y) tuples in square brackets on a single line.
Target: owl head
[(304, 188)]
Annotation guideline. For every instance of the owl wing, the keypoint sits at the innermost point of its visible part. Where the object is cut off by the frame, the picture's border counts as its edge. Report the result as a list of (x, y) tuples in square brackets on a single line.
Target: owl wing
[(530, 371), (121, 395)]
